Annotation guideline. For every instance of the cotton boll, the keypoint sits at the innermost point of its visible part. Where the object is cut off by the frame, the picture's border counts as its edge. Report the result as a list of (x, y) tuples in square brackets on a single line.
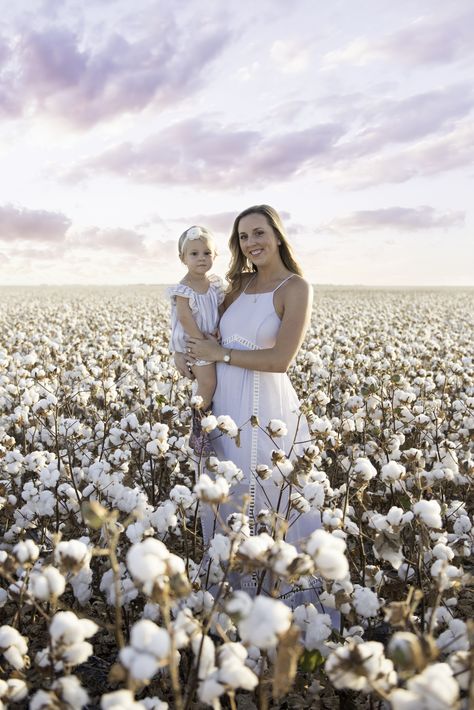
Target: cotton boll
[(264, 622), (13, 646), (47, 583), (70, 692), (365, 602), (120, 700), (316, 627), (210, 491), (435, 687), (26, 551), (277, 428), (355, 665), (232, 669), (327, 552), (71, 555), (429, 512)]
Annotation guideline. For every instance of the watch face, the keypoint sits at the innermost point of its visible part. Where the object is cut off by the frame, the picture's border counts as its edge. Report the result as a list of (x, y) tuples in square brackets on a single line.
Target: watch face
[(226, 358)]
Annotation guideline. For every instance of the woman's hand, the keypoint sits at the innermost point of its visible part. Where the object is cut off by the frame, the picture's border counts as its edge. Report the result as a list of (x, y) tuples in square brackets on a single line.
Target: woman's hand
[(183, 365), (205, 348)]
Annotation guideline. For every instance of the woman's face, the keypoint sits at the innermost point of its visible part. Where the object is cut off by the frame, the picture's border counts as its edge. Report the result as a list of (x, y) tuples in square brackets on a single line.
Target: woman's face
[(257, 240)]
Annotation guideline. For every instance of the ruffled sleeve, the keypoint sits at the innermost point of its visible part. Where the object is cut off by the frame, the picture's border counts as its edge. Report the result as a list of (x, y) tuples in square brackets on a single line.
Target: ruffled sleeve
[(218, 285), (185, 292)]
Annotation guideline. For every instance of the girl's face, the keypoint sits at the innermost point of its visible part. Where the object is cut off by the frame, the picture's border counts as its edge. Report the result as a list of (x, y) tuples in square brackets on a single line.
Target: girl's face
[(257, 240), (198, 257)]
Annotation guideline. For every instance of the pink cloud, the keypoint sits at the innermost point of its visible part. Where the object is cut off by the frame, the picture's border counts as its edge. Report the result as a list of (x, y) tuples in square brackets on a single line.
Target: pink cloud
[(423, 41), (19, 223), (58, 74), (395, 218), (193, 152), (122, 240)]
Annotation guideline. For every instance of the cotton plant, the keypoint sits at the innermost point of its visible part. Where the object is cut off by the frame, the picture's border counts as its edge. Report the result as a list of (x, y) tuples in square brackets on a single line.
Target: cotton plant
[(388, 466), (68, 646)]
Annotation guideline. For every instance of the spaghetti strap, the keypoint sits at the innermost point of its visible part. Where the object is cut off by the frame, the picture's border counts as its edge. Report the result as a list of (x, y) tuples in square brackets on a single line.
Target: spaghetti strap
[(283, 282), (249, 282)]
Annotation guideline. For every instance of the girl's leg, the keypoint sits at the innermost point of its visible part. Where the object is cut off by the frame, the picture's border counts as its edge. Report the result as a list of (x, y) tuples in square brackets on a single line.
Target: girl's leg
[(206, 383)]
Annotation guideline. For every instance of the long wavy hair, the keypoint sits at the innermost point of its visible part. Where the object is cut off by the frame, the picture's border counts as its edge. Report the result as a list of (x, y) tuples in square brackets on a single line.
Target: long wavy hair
[(239, 264)]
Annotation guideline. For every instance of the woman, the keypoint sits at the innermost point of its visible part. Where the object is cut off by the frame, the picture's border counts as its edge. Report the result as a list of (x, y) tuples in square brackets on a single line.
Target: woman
[(266, 314)]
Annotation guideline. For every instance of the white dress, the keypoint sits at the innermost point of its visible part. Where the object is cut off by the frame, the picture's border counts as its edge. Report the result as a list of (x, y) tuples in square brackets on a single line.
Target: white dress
[(251, 323), (204, 307)]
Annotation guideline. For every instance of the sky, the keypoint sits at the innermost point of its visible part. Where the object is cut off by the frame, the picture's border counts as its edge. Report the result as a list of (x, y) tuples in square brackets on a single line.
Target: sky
[(122, 124)]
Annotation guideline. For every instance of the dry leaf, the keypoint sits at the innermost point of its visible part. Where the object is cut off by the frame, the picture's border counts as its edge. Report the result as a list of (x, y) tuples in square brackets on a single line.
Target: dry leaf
[(286, 664)]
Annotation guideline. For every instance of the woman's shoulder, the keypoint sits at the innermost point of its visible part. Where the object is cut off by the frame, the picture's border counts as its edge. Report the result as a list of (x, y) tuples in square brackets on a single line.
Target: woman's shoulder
[(297, 283)]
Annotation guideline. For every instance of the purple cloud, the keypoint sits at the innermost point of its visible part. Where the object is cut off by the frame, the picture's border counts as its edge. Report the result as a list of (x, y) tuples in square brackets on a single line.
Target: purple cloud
[(395, 218), (122, 240), (19, 223), (196, 153), (57, 73), (423, 41)]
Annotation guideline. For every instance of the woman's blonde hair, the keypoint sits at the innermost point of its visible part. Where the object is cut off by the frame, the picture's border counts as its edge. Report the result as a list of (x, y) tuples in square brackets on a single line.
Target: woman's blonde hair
[(239, 264)]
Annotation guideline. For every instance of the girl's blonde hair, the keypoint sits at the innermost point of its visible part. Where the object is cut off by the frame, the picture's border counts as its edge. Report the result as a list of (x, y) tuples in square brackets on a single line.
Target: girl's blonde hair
[(203, 233), (239, 264)]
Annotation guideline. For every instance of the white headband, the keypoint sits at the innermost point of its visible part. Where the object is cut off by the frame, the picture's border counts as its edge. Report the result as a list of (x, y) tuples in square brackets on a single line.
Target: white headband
[(195, 233)]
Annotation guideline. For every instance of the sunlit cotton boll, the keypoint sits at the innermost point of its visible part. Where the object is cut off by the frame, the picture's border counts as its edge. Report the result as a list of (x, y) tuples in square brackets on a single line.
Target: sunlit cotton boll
[(358, 665), (232, 669), (433, 689), (209, 423), (13, 646), (392, 471), (210, 491), (151, 563), (316, 627), (366, 603), (429, 512), (71, 555), (14, 689), (227, 425), (120, 700), (149, 648), (263, 621), (327, 552), (277, 428), (26, 551), (67, 634), (362, 472), (47, 583)]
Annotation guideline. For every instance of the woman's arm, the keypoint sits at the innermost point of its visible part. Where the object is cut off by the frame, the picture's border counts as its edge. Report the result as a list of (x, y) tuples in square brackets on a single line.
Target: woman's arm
[(297, 302), (186, 318)]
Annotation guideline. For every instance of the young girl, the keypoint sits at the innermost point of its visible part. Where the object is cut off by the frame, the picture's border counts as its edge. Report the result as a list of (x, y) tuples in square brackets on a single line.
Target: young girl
[(195, 305)]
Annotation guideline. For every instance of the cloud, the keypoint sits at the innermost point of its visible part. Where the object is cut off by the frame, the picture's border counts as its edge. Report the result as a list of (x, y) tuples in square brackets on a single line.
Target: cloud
[(20, 223), (194, 152), (413, 117), (122, 240), (57, 73), (435, 155), (399, 219), (423, 41), (289, 56)]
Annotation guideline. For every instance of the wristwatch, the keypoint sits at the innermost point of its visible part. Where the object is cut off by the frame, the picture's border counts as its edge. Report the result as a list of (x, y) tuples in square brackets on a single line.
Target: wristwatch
[(227, 357)]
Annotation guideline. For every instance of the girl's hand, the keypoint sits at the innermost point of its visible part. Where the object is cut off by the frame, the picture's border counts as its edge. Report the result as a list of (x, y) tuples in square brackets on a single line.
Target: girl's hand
[(183, 365), (205, 348)]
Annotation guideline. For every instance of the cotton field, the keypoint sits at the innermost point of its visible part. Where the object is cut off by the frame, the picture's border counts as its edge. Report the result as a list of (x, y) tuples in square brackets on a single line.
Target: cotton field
[(108, 598)]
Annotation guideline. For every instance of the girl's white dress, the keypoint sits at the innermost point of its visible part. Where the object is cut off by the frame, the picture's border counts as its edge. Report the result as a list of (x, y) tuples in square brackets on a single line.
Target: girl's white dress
[(204, 307), (251, 323)]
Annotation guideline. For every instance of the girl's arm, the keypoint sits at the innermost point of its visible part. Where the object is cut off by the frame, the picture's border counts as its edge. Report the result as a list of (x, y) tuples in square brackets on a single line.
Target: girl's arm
[(186, 318), (297, 303)]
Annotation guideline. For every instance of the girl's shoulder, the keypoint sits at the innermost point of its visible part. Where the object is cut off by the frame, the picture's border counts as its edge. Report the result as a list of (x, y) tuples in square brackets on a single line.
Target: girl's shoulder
[(217, 284), (181, 289)]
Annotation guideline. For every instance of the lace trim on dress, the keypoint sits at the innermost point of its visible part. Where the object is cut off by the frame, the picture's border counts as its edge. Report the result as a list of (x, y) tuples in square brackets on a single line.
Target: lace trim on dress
[(243, 341), (218, 285), (185, 292)]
